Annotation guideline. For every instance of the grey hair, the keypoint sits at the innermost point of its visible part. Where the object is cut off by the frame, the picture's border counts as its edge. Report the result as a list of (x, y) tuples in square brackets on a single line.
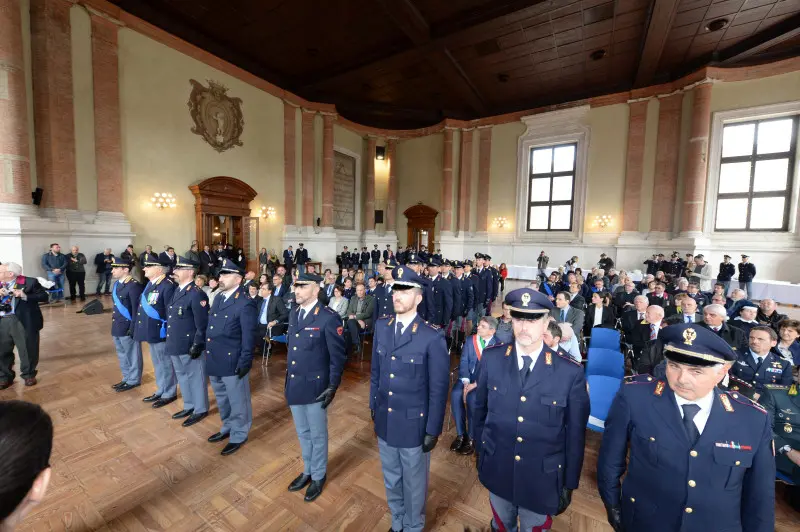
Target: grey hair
[(491, 321), (640, 298), (13, 267), (719, 310)]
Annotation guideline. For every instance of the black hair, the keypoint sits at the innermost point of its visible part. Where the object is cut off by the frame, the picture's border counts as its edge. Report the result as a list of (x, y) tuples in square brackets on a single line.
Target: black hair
[(554, 330), (26, 440)]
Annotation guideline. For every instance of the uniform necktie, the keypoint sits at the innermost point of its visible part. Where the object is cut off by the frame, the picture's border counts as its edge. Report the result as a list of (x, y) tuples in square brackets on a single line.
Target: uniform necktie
[(689, 411), (526, 368), (653, 331), (398, 332), (302, 316), (759, 360)]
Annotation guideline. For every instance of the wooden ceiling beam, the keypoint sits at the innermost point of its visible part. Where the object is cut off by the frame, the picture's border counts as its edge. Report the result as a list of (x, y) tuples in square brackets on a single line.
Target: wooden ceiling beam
[(776, 34), (662, 15)]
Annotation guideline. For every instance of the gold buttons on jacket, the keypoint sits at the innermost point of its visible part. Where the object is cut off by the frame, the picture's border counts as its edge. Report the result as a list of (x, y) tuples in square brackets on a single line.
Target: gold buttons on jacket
[(688, 510), (523, 398), (519, 439), (390, 409), (693, 453), (517, 458), (520, 419), (692, 483), (633, 500)]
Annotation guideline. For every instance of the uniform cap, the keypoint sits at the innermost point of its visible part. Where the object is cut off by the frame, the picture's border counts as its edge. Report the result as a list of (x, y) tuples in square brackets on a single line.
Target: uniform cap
[(487, 257), (458, 264), (391, 262), (745, 256), (407, 277), (413, 258), (688, 343), (308, 278), (185, 264), (528, 304), (158, 261), (228, 266), (433, 261), (726, 257), (119, 262)]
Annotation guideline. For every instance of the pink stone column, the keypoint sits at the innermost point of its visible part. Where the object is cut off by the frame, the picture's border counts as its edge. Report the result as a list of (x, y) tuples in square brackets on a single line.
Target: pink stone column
[(484, 179), (369, 204), (327, 170), (447, 182), (15, 172), (632, 198), (694, 189), (465, 179), (666, 175), (51, 51), (107, 136), (391, 204), (289, 180), (308, 168)]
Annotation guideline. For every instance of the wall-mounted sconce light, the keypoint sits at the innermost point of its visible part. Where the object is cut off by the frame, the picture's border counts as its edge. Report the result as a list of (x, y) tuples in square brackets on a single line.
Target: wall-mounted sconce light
[(268, 212), (216, 232), (602, 220), (380, 153), (500, 222), (163, 200)]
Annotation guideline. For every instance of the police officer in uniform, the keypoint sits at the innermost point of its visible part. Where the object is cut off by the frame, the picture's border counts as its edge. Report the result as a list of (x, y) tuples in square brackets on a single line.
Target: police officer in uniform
[(760, 364), (126, 293), (530, 414), (151, 327), (782, 403), (375, 256), (383, 293), (314, 366), (726, 272), (483, 287), (700, 458), (408, 395), (229, 356), (187, 319), (442, 294), (427, 308)]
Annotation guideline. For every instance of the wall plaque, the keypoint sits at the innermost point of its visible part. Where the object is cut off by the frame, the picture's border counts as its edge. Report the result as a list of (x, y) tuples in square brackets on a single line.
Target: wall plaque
[(217, 117), (344, 191)]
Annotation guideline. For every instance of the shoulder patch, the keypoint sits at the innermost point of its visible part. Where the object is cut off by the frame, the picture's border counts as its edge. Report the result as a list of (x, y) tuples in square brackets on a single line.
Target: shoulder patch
[(742, 400), (659, 388), (568, 359)]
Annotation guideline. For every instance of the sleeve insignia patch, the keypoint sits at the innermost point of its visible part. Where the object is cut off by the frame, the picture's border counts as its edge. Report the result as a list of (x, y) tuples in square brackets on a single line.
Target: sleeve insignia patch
[(339, 330), (203, 303), (659, 388)]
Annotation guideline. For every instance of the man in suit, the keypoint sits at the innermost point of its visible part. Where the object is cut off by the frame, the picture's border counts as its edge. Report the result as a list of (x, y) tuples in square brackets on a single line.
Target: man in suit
[(550, 288), (280, 289), (360, 312), (20, 323), (714, 318), (301, 258), (635, 315), (461, 394), (102, 262), (375, 258), (273, 316), (768, 314), (314, 366), (229, 352), (531, 409), (688, 311), (326, 290), (659, 296), (208, 261), (647, 330), (747, 272), (407, 400), (575, 298), (564, 312), (187, 319), (147, 256), (726, 272), (168, 257), (782, 403), (126, 294), (760, 364), (288, 259), (700, 458)]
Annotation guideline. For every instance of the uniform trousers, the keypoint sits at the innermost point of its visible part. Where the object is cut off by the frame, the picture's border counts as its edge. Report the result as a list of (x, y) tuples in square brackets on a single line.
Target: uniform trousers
[(727, 286), (301, 269), (129, 353), (462, 416), (166, 384), (748, 287), (505, 513), (235, 407), (405, 476), (374, 268), (191, 374), (311, 425), (12, 334)]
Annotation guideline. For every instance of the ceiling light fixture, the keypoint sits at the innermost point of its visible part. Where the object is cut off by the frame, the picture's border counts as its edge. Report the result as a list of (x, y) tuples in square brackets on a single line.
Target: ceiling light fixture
[(716, 25), (597, 55)]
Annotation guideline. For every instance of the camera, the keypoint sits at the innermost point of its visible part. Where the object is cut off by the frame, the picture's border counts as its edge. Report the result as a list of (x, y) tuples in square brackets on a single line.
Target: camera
[(5, 307)]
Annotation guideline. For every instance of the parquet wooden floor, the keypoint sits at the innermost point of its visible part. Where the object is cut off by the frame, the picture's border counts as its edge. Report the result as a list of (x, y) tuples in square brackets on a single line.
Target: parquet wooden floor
[(119, 464)]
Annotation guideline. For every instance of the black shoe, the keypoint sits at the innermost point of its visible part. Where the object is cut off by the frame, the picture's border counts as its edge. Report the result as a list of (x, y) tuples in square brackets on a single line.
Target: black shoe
[(83, 298), (232, 448), (126, 387), (194, 418), (183, 413), (314, 490), (457, 444), (214, 438), (164, 402), (5, 384), (107, 293), (98, 294), (300, 482), (151, 398), (118, 385), (468, 448), (72, 298)]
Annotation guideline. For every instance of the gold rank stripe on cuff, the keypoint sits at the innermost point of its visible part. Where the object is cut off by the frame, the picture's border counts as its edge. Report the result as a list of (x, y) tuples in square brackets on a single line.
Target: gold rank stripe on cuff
[(703, 356)]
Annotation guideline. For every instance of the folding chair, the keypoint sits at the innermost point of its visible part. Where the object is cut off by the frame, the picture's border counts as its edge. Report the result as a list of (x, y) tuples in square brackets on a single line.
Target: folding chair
[(604, 338), (786, 479), (602, 391), (605, 362), (362, 336), (266, 352)]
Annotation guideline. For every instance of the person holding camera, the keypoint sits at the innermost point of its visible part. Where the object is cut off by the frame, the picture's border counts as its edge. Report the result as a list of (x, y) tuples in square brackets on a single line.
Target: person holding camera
[(20, 323)]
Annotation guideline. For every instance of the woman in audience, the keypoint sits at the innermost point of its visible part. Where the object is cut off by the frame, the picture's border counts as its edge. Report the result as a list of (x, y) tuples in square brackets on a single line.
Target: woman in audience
[(503, 275), (359, 277), (201, 282), (348, 289), (584, 290), (26, 440), (788, 346), (599, 314), (272, 263), (263, 279), (579, 273), (338, 302), (213, 290), (504, 332), (651, 287)]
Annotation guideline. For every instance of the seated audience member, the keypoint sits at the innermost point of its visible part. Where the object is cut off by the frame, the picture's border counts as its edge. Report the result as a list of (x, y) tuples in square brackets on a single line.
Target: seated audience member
[(719, 288), (569, 342), (462, 394), (326, 290), (746, 320), (534, 285), (359, 315), (642, 285), (252, 290), (599, 314), (598, 285), (550, 288), (653, 353), (718, 299), (788, 346), (782, 403), (372, 284), (677, 305), (646, 331), (714, 318), (634, 315), (688, 312), (505, 332), (659, 296), (768, 314), (552, 337), (564, 312), (26, 441), (280, 288), (613, 278), (694, 292), (575, 298), (623, 299), (681, 286), (273, 316), (738, 299), (760, 364), (338, 302), (348, 291)]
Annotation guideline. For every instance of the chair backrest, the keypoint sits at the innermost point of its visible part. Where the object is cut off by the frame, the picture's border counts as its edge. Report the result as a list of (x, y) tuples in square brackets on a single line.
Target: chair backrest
[(607, 362), (602, 391), (604, 338)]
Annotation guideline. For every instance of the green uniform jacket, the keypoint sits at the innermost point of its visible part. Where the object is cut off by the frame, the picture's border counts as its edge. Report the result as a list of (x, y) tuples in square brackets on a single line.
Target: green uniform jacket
[(783, 405)]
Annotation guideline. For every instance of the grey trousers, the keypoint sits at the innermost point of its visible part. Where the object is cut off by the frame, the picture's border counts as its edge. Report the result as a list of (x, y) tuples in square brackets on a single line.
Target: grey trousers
[(191, 374), (311, 424), (405, 476), (129, 353), (12, 334), (166, 384), (505, 513), (235, 407)]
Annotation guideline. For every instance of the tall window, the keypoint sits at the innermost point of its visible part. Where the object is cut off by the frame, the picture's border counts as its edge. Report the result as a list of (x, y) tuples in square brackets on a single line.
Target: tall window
[(756, 173), (551, 187)]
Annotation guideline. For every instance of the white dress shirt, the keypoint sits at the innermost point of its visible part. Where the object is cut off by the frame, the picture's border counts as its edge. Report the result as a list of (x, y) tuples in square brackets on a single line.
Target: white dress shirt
[(406, 321), (534, 356), (701, 418), (598, 316)]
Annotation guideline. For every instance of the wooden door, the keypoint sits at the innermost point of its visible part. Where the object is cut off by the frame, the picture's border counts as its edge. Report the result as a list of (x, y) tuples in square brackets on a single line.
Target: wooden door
[(250, 241), (421, 226)]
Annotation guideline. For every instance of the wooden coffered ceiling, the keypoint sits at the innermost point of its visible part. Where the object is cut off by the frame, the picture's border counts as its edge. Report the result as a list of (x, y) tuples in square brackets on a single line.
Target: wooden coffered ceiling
[(411, 63)]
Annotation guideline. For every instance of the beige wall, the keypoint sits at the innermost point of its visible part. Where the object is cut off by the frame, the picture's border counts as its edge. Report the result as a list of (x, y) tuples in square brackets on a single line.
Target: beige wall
[(419, 174), (608, 148), (83, 100), (160, 153), (502, 191), (765, 91)]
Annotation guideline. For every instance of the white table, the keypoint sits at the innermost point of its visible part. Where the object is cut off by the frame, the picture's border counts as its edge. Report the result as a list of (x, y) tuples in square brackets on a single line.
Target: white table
[(781, 291), (529, 273)]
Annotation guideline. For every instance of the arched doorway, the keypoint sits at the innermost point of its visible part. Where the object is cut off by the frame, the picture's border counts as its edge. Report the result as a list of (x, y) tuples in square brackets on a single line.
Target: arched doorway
[(421, 226), (222, 213)]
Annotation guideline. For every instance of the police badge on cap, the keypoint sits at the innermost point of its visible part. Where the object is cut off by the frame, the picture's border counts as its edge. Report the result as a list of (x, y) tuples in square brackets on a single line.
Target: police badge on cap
[(528, 304)]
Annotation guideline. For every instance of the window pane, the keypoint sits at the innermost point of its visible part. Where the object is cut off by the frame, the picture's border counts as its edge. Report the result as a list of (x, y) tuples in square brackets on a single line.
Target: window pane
[(562, 188), (732, 213), (538, 218), (737, 140), (564, 159), (767, 213), (540, 189), (771, 175), (541, 161), (734, 177), (561, 216), (775, 136)]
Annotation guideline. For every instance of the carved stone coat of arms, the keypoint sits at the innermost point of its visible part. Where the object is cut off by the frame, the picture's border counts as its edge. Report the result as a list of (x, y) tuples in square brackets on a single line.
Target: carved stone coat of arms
[(217, 117)]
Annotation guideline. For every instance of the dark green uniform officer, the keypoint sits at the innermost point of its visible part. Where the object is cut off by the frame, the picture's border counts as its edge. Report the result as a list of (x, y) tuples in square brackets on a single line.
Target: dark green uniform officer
[(783, 406)]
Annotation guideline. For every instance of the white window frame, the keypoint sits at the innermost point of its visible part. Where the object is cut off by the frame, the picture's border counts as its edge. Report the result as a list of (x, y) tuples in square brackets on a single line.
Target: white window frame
[(718, 121), (549, 129)]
